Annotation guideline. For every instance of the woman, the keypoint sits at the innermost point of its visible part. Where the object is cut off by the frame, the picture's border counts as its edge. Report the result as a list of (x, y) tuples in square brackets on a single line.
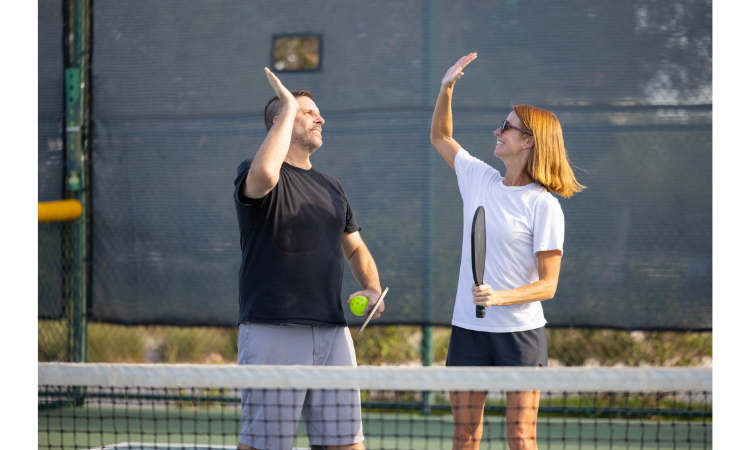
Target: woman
[(525, 228)]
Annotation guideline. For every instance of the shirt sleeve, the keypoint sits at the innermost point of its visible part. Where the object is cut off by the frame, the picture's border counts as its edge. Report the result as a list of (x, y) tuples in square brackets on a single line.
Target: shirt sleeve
[(549, 225), (471, 172), (351, 224), (242, 171)]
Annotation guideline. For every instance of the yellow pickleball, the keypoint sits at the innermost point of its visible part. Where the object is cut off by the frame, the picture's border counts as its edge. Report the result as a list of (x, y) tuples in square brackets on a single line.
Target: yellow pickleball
[(358, 305)]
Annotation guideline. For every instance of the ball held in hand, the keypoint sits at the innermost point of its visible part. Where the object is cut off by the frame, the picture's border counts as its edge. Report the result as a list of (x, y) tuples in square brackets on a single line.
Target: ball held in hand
[(358, 305)]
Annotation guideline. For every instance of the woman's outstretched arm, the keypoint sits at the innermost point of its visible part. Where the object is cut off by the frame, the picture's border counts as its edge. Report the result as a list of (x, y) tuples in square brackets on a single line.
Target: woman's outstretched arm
[(441, 133)]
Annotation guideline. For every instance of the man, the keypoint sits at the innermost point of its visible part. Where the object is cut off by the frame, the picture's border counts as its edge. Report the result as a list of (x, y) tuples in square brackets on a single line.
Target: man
[(296, 228)]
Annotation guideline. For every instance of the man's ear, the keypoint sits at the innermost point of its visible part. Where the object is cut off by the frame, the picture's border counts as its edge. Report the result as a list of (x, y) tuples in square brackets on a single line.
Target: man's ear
[(274, 119)]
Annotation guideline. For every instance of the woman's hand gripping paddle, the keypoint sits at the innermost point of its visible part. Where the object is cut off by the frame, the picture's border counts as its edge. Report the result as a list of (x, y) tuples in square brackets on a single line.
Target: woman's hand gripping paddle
[(478, 252)]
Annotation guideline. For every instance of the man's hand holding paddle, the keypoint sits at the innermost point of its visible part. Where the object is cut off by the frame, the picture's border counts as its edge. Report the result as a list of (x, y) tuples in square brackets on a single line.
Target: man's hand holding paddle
[(372, 295)]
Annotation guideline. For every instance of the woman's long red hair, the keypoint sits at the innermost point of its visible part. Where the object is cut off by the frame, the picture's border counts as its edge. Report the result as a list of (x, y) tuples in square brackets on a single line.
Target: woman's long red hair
[(548, 163)]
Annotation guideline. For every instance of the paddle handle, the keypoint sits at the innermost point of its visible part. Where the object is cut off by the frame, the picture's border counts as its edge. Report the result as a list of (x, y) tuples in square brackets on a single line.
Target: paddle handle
[(480, 309), (478, 252)]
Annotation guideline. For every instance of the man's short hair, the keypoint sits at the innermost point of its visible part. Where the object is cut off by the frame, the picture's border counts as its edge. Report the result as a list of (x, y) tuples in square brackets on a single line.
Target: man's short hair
[(273, 107)]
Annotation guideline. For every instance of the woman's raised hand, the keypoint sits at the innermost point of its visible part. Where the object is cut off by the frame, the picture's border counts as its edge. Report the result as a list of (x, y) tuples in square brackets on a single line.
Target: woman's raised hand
[(286, 97), (455, 72)]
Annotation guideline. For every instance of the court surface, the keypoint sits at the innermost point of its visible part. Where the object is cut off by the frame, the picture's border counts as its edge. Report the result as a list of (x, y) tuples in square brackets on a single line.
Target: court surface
[(132, 428)]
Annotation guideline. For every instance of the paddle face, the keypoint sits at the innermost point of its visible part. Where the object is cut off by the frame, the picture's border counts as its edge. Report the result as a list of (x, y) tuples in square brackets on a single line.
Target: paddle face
[(478, 251), (372, 311)]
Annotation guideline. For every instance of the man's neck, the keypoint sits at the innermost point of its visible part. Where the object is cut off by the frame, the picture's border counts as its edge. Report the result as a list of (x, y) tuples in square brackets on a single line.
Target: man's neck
[(298, 158)]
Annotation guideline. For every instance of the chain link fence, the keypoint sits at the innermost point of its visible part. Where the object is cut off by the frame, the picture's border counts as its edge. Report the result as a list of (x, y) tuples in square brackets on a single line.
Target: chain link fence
[(55, 249)]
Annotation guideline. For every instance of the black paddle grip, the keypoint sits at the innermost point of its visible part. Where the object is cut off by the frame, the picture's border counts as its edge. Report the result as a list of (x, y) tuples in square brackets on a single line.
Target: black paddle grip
[(478, 251)]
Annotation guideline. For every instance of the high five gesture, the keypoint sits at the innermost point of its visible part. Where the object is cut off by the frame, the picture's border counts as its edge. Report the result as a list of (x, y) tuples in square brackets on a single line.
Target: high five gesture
[(441, 134), (455, 72), (264, 173), (286, 97)]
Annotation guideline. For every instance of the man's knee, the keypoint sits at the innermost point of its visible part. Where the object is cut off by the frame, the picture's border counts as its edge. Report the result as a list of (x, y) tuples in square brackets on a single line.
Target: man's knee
[(359, 446)]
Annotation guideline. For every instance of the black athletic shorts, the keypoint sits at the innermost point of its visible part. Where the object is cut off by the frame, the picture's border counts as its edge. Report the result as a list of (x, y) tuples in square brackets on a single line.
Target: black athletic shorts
[(483, 348)]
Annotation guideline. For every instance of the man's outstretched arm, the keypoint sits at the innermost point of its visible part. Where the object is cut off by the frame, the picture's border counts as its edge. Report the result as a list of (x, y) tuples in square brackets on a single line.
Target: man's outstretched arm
[(264, 172)]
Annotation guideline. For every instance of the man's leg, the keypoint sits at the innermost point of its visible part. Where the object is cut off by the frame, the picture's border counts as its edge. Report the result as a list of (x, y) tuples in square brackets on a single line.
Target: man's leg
[(333, 418), (359, 446), (270, 417)]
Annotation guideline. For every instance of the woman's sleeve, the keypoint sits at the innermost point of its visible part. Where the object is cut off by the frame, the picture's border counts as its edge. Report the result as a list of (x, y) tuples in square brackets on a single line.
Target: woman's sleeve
[(549, 226), (471, 173)]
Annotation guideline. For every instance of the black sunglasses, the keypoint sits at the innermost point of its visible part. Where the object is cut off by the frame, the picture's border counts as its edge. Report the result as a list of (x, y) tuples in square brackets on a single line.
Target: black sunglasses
[(506, 125)]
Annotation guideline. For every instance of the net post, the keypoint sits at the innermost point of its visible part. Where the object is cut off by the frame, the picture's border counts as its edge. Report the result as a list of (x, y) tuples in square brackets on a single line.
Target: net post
[(78, 32)]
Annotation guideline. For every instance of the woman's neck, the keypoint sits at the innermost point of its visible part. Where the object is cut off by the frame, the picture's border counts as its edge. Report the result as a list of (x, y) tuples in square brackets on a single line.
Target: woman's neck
[(516, 175)]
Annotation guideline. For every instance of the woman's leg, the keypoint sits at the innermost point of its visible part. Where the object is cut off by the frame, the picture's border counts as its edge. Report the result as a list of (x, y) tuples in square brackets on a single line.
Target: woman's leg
[(468, 412), (521, 416)]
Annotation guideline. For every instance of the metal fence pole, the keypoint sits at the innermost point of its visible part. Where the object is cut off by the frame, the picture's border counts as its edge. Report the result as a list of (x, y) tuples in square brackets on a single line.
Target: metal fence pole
[(77, 37), (428, 227), (428, 236)]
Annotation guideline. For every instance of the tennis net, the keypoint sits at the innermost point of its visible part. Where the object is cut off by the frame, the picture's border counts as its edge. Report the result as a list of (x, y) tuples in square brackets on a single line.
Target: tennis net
[(95, 406)]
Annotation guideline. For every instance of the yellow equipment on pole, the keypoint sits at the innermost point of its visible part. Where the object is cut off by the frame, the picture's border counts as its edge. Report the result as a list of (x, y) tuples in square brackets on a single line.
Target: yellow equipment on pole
[(60, 211)]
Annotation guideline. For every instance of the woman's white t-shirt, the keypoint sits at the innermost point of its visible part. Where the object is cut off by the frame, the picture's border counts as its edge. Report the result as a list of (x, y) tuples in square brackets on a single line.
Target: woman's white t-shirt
[(520, 221)]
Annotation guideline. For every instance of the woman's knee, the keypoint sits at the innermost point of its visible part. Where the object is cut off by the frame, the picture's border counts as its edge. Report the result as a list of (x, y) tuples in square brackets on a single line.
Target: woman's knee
[(522, 435), (467, 431)]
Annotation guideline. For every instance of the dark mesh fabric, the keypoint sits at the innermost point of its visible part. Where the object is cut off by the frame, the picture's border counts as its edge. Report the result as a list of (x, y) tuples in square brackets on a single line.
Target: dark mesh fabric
[(50, 100), (178, 97), (50, 154)]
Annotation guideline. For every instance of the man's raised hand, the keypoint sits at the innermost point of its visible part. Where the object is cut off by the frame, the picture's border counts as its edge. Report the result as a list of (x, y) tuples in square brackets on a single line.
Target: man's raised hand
[(455, 72), (286, 97)]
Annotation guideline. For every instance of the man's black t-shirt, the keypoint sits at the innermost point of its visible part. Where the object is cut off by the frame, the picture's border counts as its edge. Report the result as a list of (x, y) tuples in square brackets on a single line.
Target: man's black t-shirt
[(292, 259)]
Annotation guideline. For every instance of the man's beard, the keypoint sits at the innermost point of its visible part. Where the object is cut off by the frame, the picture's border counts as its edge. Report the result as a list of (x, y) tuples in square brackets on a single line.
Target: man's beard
[(305, 140)]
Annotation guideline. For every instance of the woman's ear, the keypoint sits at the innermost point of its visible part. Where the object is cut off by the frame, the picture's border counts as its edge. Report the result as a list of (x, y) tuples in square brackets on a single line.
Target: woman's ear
[(530, 142)]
